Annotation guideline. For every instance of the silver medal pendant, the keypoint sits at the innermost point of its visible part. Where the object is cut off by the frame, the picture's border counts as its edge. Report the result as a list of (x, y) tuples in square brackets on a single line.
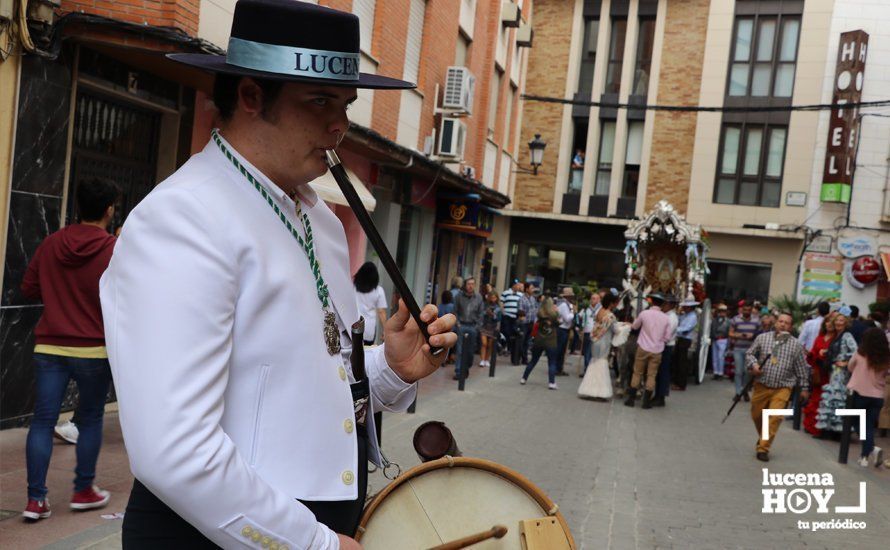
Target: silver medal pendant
[(331, 334)]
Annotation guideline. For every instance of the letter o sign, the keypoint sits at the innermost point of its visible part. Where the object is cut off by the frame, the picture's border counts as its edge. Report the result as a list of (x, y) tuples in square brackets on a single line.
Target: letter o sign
[(799, 501)]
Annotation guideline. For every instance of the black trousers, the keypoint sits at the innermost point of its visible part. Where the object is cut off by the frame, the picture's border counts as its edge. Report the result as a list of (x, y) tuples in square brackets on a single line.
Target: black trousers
[(150, 524), (682, 362)]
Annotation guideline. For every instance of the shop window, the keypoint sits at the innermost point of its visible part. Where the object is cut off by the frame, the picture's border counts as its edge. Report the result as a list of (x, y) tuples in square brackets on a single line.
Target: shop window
[(736, 281), (750, 164)]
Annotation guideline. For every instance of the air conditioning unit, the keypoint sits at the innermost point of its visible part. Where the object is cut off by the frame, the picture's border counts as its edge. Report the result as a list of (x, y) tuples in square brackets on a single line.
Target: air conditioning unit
[(452, 134), (511, 15), (459, 85)]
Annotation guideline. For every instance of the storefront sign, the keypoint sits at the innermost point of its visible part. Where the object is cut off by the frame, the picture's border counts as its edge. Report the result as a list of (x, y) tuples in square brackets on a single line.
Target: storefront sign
[(843, 129), (822, 244), (466, 215), (822, 276), (863, 271), (857, 245)]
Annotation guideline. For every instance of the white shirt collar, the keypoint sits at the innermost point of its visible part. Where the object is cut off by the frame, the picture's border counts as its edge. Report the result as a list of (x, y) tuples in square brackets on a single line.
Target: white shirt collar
[(305, 194)]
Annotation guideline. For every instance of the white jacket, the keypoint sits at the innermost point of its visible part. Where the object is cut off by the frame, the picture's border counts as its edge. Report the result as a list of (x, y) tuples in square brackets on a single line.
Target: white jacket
[(231, 407)]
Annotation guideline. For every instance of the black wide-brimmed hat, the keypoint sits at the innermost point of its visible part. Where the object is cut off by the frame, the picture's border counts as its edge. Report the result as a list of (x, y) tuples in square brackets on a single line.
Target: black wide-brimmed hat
[(295, 42)]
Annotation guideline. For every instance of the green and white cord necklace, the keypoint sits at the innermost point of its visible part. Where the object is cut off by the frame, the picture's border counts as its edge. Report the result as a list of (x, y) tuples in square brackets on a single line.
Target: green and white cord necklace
[(331, 334)]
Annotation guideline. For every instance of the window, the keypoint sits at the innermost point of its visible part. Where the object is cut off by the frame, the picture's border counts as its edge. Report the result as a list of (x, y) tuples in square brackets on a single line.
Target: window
[(633, 159), (415, 40), (604, 169), (463, 49), (588, 55), (750, 164), (616, 56), (643, 64), (579, 146), (507, 141), (493, 100), (764, 55), (365, 9)]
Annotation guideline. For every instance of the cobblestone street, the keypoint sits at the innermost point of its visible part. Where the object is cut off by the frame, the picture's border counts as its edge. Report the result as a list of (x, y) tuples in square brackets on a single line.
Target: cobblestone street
[(623, 478)]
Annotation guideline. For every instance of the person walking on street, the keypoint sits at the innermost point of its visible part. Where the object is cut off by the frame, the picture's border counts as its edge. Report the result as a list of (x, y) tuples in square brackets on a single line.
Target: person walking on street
[(510, 299), (371, 301), (869, 367), (817, 359), (597, 382), (742, 330), (491, 324), (778, 362), (70, 343), (812, 327), (668, 355), (654, 333), (719, 340), (545, 341), (834, 393), (566, 308), (588, 320), (528, 306), (457, 283), (469, 308), (687, 330)]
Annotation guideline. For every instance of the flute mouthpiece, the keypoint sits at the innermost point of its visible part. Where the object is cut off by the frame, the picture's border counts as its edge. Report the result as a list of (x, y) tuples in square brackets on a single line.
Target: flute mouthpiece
[(332, 158)]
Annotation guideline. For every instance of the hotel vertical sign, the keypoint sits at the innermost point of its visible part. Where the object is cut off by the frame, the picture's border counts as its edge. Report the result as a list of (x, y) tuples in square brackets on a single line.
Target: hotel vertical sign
[(843, 130)]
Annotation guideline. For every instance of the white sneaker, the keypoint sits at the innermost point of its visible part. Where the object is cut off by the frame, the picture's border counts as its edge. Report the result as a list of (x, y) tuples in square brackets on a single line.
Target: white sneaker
[(67, 431), (876, 457), (522, 381), (552, 386), (863, 461)]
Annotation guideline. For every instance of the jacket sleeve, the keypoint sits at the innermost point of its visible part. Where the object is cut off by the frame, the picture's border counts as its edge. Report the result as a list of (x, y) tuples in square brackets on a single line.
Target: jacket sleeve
[(168, 300), (388, 391), (31, 280), (751, 356)]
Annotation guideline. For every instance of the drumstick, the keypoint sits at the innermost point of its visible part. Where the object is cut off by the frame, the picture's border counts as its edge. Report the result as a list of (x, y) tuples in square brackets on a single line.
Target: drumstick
[(364, 219), (495, 532)]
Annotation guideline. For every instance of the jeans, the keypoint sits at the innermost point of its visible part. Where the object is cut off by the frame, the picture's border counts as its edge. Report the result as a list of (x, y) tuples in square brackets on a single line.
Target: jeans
[(52, 373), (718, 355), (527, 340), (562, 339), (587, 350), (741, 372), (551, 363), (471, 333), (872, 406), (508, 324), (680, 374)]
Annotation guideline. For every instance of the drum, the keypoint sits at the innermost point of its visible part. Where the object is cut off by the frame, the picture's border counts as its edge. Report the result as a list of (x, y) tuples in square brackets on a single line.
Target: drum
[(451, 498)]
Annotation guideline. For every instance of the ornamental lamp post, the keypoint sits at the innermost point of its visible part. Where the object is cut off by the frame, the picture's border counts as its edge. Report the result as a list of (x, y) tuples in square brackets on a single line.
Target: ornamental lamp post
[(536, 151)]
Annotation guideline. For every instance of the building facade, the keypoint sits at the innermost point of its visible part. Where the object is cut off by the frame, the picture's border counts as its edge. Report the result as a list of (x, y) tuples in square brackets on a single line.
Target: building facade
[(744, 171)]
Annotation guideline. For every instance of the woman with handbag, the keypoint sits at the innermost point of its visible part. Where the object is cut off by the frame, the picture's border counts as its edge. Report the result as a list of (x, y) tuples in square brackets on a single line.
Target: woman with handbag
[(818, 362), (545, 341)]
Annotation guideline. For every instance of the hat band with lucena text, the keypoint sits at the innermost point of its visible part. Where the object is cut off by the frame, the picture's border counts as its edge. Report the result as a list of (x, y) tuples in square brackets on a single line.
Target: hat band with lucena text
[(290, 60)]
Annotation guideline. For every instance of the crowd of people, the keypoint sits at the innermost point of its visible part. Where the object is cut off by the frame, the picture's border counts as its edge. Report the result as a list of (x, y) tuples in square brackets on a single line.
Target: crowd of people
[(834, 355)]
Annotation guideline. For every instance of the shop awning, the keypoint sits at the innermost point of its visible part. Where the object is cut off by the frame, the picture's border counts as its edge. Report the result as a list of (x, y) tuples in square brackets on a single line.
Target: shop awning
[(328, 191)]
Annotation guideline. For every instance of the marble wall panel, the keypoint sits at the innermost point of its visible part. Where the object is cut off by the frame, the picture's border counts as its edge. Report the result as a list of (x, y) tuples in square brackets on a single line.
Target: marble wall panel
[(17, 376), (31, 219)]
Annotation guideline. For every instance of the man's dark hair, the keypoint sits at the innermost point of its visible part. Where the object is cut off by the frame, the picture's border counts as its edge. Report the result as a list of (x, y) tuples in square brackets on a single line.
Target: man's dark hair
[(823, 308), (447, 297), (608, 300), (366, 278), (225, 93), (94, 196), (656, 301), (854, 312)]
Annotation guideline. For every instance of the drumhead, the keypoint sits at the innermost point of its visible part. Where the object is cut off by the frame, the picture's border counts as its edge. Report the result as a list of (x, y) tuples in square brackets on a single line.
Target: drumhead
[(452, 498)]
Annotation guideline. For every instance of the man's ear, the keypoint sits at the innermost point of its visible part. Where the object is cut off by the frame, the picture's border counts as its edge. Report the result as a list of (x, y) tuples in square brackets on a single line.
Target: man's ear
[(250, 96)]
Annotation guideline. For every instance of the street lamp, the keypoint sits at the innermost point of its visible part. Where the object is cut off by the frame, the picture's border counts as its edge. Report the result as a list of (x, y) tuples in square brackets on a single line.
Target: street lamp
[(536, 150)]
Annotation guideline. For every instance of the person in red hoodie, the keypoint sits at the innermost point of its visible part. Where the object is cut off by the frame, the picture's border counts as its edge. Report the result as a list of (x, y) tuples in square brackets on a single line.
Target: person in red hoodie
[(70, 343)]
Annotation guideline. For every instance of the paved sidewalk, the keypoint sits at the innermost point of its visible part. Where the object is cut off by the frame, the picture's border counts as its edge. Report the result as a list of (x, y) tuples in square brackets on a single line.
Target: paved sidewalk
[(623, 478)]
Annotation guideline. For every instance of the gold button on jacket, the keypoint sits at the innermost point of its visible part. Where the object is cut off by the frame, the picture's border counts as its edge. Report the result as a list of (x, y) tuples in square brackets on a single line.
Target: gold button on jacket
[(348, 477)]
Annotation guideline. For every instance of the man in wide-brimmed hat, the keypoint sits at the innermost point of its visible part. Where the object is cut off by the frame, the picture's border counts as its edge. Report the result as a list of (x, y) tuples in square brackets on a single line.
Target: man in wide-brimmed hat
[(687, 332), (228, 304)]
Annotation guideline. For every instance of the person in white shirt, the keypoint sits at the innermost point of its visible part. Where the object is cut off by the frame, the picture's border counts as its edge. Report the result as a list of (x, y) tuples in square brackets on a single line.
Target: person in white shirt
[(810, 329), (371, 300), (228, 308), (665, 368), (566, 309)]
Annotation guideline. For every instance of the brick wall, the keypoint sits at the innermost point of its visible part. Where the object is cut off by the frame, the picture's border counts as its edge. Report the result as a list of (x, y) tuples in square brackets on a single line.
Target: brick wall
[(182, 14), (673, 140), (480, 60), (388, 47), (437, 54), (547, 70)]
